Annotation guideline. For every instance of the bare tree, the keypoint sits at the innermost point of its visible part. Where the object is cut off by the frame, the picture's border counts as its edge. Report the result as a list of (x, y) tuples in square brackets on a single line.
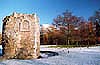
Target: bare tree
[(65, 23)]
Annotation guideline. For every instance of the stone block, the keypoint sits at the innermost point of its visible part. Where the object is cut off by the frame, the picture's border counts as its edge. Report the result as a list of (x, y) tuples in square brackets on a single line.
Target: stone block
[(20, 36)]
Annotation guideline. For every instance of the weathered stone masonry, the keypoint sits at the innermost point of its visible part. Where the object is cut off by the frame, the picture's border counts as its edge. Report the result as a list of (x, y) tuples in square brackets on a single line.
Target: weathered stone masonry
[(21, 36)]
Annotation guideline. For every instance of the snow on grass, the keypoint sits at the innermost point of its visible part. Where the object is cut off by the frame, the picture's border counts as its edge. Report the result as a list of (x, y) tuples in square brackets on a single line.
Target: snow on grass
[(75, 56)]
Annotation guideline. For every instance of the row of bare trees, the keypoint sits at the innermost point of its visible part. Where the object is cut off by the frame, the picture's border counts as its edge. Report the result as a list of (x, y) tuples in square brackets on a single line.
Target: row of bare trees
[(96, 20), (68, 29)]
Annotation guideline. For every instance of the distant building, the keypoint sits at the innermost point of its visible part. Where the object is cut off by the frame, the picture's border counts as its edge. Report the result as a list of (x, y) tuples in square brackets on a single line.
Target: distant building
[(44, 29), (48, 33), (21, 36)]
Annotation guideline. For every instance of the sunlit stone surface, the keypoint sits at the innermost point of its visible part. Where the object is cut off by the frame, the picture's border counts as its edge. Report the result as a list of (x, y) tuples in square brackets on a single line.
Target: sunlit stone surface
[(21, 36)]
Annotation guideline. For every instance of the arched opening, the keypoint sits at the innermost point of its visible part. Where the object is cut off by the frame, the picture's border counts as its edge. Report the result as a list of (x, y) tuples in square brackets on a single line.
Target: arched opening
[(24, 26)]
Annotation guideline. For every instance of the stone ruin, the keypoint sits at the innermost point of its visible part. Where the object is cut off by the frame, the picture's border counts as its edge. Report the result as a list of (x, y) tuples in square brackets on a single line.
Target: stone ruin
[(21, 36)]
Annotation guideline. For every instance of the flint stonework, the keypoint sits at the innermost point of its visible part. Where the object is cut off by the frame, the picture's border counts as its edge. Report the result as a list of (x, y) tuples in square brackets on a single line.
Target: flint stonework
[(21, 36)]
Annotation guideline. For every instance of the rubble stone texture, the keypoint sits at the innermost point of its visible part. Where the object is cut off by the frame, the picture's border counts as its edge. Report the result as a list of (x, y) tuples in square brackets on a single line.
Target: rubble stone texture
[(21, 36)]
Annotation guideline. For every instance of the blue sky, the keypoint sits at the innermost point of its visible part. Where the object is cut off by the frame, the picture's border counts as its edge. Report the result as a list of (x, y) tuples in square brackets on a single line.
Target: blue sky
[(48, 9)]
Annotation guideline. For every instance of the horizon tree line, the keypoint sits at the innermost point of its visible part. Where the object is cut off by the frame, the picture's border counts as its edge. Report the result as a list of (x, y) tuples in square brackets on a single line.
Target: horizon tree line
[(68, 29)]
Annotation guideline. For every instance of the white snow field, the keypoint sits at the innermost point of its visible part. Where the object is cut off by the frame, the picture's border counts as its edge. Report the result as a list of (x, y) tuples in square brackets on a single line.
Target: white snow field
[(71, 56)]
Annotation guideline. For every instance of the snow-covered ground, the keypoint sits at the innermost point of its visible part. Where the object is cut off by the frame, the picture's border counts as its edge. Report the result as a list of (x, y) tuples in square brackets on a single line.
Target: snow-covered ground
[(71, 56)]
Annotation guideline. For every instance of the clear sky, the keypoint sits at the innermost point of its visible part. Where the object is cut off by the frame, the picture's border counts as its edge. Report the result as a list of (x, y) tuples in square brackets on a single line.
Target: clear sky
[(48, 9)]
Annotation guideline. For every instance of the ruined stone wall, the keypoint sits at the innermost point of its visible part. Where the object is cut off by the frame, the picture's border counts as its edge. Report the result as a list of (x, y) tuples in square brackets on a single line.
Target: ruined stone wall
[(21, 36)]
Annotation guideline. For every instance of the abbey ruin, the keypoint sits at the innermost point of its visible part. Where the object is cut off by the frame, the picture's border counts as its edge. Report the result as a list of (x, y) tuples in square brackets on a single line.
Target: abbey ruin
[(21, 36)]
